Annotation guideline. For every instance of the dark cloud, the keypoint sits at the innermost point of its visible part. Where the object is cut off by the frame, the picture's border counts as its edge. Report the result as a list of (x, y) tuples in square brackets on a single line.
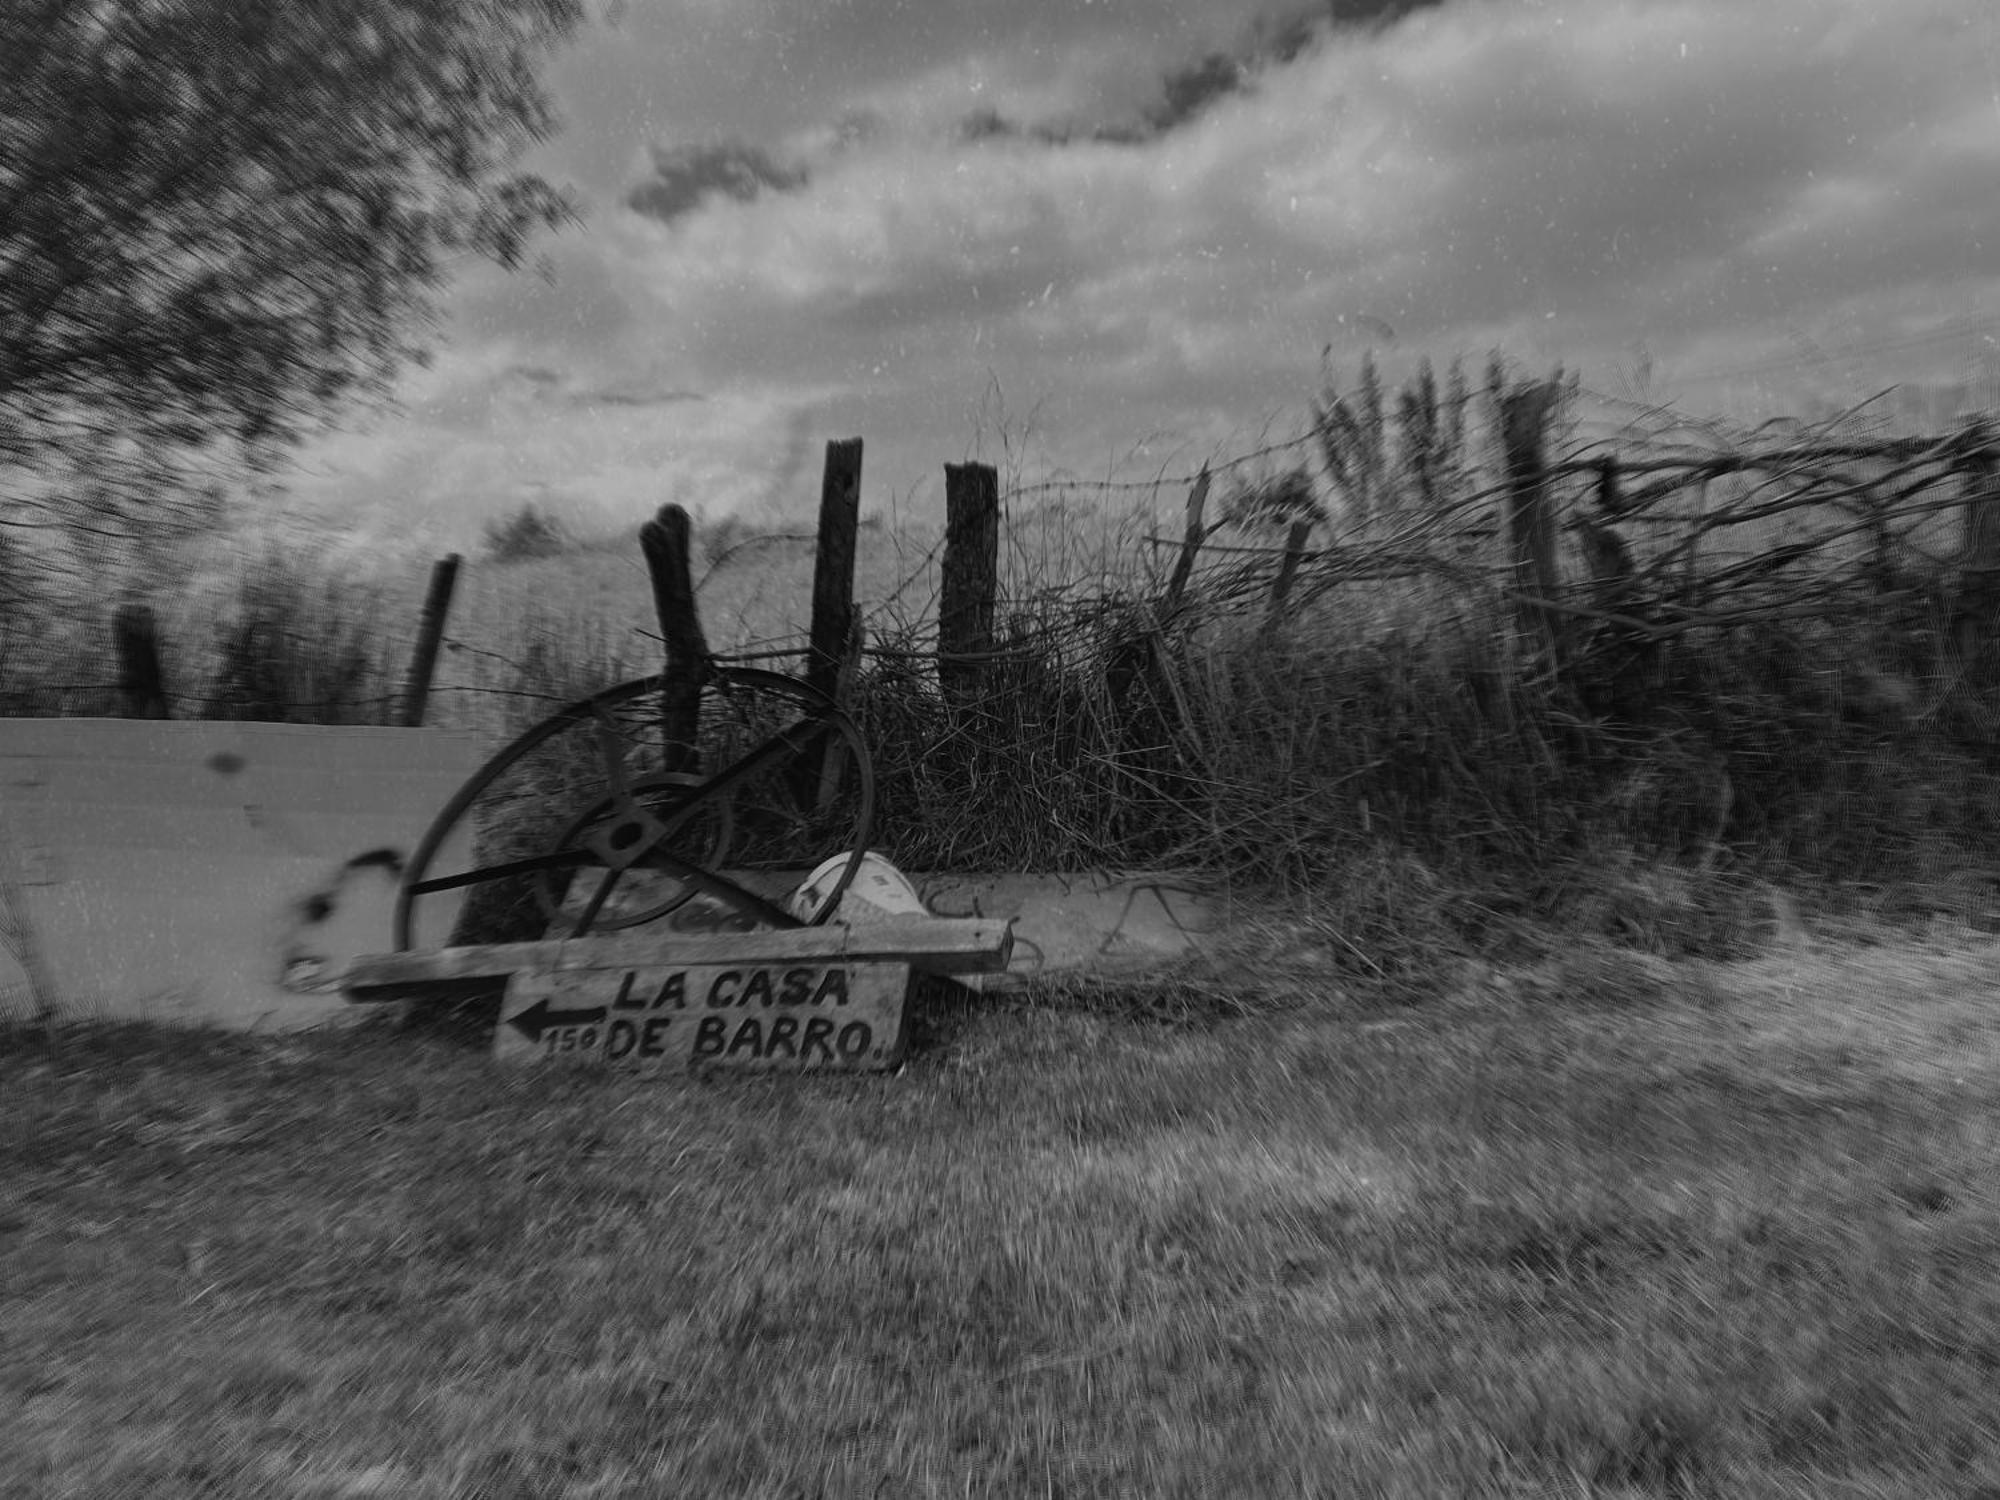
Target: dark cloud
[(986, 125), (1186, 92), (686, 176), (633, 395), (1370, 13), (1189, 90)]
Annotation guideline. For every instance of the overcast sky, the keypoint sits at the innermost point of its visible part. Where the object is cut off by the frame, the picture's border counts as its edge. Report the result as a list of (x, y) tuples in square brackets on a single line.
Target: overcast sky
[(1118, 236)]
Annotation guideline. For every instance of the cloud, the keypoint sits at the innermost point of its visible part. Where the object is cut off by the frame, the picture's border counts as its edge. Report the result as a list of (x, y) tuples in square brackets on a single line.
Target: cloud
[(987, 123), (632, 395), (684, 177), (917, 223), (1188, 88), (583, 308), (1186, 92), (551, 385), (431, 477), (1568, 177), (1359, 14)]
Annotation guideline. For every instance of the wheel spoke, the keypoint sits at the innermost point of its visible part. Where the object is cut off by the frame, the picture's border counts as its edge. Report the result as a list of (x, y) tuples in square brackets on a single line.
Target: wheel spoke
[(596, 902), (726, 890), (593, 789), (555, 859), (786, 742)]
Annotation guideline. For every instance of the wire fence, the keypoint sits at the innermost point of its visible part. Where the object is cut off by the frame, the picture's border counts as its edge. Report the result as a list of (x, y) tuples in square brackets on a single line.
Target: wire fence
[(1653, 531)]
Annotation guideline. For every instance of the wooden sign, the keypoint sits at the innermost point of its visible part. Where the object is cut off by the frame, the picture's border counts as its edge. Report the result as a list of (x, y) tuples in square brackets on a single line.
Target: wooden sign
[(790, 1015), (808, 999)]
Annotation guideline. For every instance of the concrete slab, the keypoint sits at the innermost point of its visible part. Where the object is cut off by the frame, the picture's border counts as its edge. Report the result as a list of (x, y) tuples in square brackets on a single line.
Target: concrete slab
[(208, 873), (1106, 923)]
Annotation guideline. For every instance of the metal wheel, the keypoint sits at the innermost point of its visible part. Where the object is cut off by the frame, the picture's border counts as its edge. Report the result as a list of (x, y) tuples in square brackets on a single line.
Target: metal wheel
[(585, 823)]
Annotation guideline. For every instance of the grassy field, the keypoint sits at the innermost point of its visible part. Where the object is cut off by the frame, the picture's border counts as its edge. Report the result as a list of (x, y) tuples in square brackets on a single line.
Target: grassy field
[(1607, 1227)]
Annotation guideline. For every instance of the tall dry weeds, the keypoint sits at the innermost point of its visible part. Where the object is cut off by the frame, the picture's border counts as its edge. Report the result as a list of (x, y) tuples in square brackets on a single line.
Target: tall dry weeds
[(1759, 676)]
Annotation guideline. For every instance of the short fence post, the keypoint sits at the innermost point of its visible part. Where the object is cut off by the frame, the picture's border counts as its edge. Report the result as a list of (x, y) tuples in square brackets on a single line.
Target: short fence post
[(1191, 541), (1288, 570), (665, 542), (971, 574), (1979, 552), (430, 635), (1611, 566), (833, 566), (1531, 520), (141, 683)]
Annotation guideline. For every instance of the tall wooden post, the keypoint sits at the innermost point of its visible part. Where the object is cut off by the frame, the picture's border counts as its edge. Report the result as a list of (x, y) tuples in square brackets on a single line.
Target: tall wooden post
[(665, 542), (833, 566), (430, 635), (141, 682), (1531, 520), (971, 574)]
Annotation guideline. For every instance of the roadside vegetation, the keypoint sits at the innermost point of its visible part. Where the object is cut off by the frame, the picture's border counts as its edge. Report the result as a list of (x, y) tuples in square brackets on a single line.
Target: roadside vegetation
[(1604, 1107), (1752, 687)]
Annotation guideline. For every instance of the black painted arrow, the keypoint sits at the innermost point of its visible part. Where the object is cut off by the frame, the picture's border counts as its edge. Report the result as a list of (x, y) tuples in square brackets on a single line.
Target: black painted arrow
[(541, 1017)]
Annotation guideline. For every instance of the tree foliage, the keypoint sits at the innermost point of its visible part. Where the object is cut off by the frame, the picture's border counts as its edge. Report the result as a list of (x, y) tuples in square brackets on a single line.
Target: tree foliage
[(1274, 501), (221, 221), (529, 533)]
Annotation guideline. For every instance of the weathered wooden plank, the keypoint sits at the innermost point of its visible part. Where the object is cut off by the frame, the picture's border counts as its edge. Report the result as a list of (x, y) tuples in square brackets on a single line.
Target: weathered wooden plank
[(833, 617), (803, 1016), (430, 636), (969, 582), (666, 542), (939, 945)]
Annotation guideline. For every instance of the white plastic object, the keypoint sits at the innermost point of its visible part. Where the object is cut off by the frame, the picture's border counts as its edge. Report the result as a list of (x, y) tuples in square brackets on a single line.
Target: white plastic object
[(878, 891)]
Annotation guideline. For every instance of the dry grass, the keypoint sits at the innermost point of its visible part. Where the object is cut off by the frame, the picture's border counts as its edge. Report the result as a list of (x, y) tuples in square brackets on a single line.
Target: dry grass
[(1613, 1227), (1392, 747)]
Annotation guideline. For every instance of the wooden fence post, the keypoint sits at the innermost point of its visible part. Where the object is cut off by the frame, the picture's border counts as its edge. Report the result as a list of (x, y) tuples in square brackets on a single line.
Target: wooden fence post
[(430, 635), (971, 574), (833, 567), (1531, 519), (141, 683), (1288, 570), (665, 542), (1191, 541), (1978, 598)]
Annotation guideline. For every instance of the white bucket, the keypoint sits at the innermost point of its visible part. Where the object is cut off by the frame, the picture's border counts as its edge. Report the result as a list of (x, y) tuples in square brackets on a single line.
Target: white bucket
[(879, 891)]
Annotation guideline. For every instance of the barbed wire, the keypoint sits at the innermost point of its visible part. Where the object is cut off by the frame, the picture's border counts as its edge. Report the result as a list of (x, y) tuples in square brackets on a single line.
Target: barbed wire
[(1878, 493)]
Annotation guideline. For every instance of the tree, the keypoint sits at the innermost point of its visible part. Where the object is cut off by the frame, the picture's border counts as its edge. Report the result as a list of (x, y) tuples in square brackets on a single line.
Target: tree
[(221, 221), (529, 533), (1279, 501)]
